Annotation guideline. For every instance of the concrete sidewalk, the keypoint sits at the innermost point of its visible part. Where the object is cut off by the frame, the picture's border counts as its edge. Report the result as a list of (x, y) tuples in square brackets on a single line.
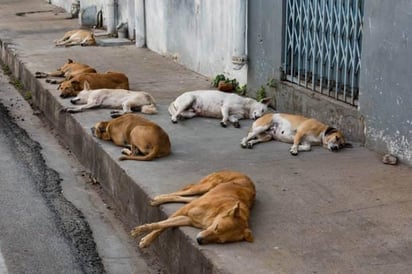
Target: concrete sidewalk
[(319, 212)]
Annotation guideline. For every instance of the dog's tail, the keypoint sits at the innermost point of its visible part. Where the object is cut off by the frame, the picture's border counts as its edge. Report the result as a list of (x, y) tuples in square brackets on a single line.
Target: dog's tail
[(149, 109), (148, 157)]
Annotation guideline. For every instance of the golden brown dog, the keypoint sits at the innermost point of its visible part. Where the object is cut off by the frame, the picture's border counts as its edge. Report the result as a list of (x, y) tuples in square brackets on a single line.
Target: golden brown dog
[(298, 130), (222, 211), (68, 71), (80, 37), (73, 86), (143, 140)]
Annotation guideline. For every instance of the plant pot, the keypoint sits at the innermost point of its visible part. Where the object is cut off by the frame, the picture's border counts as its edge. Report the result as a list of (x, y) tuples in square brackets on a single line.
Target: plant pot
[(225, 86)]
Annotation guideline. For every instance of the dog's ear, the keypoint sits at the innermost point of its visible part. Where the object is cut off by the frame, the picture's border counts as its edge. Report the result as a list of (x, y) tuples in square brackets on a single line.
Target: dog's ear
[(248, 235), (266, 101), (102, 129), (330, 130), (235, 211), (86, 85), (69, 61)]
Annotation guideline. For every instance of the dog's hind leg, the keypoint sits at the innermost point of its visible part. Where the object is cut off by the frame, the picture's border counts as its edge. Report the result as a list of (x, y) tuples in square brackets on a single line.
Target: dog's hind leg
[(253, 133), (181, 104)]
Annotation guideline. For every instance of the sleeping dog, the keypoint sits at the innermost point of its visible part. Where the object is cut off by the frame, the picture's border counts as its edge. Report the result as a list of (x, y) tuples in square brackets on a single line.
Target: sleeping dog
[(222, 210), (127, 100), (230, 107), (298, 130)]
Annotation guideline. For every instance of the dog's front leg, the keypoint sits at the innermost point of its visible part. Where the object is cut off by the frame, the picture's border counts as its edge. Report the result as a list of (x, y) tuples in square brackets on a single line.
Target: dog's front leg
[(225, 115), (162, 225)]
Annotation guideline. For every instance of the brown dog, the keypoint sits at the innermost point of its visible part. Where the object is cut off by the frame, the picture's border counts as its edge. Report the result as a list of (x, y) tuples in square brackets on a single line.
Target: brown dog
[(298, 130), (222, 210), (68, 71), (80, 37), (73, 86), (137, 134)]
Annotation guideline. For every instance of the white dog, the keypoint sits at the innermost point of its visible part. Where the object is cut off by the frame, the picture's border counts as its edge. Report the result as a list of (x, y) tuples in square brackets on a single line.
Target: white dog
[(217, 104), (127, 100)]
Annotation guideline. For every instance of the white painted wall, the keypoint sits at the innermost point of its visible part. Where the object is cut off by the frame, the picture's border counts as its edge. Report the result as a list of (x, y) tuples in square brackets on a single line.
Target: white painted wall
[(201, 35), (198, 34)]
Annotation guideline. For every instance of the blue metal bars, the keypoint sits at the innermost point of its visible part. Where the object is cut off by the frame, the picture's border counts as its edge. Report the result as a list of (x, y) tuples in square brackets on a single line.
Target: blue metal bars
[(322, 51)]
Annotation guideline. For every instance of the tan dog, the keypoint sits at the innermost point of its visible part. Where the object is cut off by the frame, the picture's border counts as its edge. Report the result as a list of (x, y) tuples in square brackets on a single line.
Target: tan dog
[(68, 71), (298, 130), (80, 37), (73, 86), (127, 100), (137, 134), (222, 211)]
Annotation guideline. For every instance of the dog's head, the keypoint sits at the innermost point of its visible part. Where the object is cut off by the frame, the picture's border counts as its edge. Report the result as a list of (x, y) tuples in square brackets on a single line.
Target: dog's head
[(100, 131), (334, 140), (69, 88), (88, 41), (227, 227), (83, 95), (259, 108)]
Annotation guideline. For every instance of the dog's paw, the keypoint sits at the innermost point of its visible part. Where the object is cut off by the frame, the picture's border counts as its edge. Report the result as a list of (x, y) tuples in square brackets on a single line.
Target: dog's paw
[(249, 145), (136, 231), (243, 145), (174, 121), (39, 74), (236, 124), (144, 242), (223, 124), (294, 152)]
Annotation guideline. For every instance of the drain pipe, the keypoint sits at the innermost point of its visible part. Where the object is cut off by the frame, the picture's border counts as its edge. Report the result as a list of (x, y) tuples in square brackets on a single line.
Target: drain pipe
[(130, 18), (110, 17), (140, 23), (239, 57)]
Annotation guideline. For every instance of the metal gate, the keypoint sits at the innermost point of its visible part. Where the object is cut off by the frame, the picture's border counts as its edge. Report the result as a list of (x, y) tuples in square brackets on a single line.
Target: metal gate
[(322, 49)]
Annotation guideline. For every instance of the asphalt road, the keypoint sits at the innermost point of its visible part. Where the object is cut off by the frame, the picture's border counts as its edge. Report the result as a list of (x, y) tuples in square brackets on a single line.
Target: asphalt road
[(40, 231)]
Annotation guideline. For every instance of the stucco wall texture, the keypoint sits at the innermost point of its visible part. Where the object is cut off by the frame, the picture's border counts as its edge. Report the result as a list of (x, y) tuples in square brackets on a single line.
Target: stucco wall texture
[(385, 91)]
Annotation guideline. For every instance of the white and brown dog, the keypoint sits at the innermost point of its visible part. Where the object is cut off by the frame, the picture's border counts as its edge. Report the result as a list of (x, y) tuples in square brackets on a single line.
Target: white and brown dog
[(127, 100), (298, 130), (217, 104)]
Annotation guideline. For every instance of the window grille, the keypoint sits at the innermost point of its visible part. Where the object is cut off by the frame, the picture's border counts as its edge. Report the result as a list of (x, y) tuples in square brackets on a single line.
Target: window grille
[(322, 50)]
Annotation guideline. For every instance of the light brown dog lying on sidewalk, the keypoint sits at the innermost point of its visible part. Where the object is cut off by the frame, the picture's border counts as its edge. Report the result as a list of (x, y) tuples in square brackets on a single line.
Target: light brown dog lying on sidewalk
[(298, 130), (143, 140), (73, 86), (124, 99), (222, 211), (68, 71), (76, 37)]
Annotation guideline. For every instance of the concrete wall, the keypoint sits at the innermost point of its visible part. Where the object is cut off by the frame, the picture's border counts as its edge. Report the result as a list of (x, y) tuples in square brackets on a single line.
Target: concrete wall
[(386, 96), (264, 41), (201, 35)]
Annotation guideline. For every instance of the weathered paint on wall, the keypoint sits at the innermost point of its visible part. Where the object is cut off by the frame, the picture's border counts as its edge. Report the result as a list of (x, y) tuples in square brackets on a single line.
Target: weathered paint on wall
[(264, 41), (385, 90), (198, 34)]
